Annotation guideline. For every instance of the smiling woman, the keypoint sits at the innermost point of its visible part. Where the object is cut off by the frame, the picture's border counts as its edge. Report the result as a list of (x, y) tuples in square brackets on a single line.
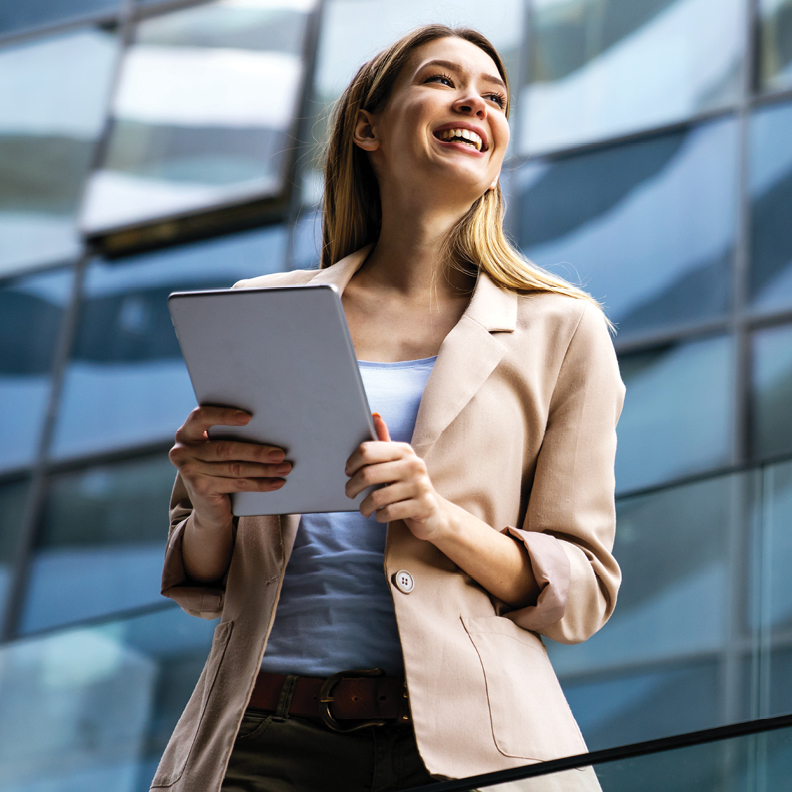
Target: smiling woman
[(497, 393)]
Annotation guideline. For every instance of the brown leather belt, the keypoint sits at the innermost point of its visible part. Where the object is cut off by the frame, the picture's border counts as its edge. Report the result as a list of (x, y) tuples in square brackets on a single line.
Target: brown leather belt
[(359, 698)]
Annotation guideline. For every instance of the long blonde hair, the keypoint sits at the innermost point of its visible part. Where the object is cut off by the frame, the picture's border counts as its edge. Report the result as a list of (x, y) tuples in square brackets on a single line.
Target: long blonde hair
[(352, 211)]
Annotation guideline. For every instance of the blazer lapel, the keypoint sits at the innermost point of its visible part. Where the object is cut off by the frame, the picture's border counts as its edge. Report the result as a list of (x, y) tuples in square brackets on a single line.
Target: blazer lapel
[(468, 355)]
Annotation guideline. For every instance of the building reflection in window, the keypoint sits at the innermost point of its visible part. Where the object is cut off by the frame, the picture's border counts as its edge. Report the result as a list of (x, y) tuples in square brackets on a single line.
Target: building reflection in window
[(772, 391), (678, 414), (775, 52), (602, 68), (648, 227), (13, 500), (101, 543), (31, 315), (126, 383), (771, 207), (203, 110), (53, 97)]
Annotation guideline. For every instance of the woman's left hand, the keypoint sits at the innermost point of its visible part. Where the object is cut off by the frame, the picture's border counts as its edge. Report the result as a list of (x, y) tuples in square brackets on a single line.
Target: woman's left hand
[(408, 493)]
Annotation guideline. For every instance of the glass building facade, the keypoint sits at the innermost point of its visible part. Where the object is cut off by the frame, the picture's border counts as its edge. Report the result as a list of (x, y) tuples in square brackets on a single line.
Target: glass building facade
[(150, 146)]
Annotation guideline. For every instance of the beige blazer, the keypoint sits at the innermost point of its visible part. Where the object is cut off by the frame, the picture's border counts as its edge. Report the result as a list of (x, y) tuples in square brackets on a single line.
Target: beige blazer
[(516, 425)]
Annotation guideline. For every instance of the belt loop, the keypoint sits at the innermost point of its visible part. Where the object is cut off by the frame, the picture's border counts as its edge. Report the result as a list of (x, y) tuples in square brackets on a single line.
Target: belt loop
[(284, 702)]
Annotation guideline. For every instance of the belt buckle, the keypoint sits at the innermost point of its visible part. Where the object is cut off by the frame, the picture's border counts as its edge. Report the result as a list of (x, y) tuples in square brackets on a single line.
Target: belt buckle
[(327, 699)]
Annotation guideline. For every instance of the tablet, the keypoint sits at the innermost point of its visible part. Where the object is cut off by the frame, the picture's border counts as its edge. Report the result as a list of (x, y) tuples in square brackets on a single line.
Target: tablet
[(285, 355)]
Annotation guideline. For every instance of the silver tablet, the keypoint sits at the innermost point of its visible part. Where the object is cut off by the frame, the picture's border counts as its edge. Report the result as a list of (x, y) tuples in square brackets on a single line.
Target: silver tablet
[(285, 355)]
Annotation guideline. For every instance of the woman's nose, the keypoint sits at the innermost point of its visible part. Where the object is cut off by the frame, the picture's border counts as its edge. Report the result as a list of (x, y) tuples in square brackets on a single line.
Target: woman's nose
[(472, 104)]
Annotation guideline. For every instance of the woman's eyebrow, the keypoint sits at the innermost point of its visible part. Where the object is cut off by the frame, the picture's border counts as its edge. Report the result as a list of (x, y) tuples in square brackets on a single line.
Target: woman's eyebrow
[(458, 68)]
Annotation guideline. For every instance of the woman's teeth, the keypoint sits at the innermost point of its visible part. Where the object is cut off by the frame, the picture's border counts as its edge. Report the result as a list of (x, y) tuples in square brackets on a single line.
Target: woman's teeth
[(464, 136)]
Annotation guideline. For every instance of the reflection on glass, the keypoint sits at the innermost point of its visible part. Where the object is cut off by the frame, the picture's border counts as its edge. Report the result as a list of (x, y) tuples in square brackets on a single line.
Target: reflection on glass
[(775, 58), (53, 94), (31, 311), (353, 31), (101, 543), (772, 391), (126, 383), (673, 549), (91, 708), (26, 15), (307, 241), (648, 227), (776, 583), (639, 704), (13, 498), (752, 762), (678, 414), (601, 68), (771, 207), (202, 113)]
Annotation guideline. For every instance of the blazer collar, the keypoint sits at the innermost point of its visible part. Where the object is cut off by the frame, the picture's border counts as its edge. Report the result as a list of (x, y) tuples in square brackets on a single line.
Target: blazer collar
[(467, 356)]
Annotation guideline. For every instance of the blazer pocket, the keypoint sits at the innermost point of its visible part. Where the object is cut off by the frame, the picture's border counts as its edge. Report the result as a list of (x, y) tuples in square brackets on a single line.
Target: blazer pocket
[(530, 715), (174, 760)]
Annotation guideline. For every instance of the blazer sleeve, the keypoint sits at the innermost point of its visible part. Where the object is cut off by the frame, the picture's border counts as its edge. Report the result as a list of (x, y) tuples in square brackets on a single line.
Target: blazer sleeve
[(570, 522), (195, 598)]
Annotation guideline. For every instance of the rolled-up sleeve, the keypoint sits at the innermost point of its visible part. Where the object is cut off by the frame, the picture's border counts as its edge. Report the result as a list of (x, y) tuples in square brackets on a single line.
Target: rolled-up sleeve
[(196, 599), (570, 522)]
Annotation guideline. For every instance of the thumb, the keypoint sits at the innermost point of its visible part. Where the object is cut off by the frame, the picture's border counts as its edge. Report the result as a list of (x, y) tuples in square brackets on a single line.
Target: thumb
[(381, 427)]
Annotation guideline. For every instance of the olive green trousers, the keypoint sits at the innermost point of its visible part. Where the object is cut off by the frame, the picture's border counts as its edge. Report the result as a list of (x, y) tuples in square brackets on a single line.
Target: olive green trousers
[(277, 754)]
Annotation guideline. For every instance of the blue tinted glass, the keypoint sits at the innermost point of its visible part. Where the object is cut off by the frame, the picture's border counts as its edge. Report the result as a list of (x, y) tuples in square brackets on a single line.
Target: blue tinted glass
[(639, 705), (771, 207), (39, 13), (673, 549), (204, 106), (678, 413), (91, 708), (776, 44), (13, 500), (31, 312), (126, 383), (53, 98), (648, 227), (601, 68), (101, 543), (772, 391)]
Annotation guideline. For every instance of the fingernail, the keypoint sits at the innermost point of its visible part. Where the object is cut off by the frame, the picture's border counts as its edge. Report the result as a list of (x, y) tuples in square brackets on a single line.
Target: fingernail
[(281, 469), (277, 484), (276, 456), (376, 415), (242, 417)]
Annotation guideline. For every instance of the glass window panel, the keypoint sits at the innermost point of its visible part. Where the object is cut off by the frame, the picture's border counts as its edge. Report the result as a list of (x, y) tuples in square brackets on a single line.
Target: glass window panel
[(775, 57), (31, 313), (353, 31), (673, 547), (678, 413), (771, 207), (648, 227), (38, 13), (645, 704), (307, 243), (126, 383), (602, 68), (202, 112), (91, 708), (772, 391), (13, 500), (53, 94), (101, 543)]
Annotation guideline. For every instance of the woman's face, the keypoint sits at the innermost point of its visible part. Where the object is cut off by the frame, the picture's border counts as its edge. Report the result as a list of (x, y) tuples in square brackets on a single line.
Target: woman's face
[(444, 127)]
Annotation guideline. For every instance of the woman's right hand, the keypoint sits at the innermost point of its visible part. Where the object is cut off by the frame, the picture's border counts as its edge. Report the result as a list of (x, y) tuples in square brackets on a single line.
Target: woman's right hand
[(212, 469)]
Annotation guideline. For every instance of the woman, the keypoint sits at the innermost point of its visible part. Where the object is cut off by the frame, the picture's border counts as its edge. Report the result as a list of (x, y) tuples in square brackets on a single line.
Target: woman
[(499, 510)]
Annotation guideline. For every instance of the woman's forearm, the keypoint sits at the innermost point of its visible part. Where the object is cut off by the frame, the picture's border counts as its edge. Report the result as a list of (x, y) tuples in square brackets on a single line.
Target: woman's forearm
[(496, 561), (206, 550)]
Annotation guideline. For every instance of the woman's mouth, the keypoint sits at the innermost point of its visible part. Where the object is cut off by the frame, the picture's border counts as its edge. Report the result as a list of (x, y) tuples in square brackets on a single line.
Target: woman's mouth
[(466, 136)]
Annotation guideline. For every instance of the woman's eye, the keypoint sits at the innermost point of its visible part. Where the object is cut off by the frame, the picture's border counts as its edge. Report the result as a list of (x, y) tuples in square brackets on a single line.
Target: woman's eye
[(499, 100), (441, 78)]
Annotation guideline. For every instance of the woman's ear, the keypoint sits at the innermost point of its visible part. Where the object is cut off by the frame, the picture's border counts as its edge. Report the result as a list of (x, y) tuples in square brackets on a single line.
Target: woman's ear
[(365, 136), (493, 185)]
